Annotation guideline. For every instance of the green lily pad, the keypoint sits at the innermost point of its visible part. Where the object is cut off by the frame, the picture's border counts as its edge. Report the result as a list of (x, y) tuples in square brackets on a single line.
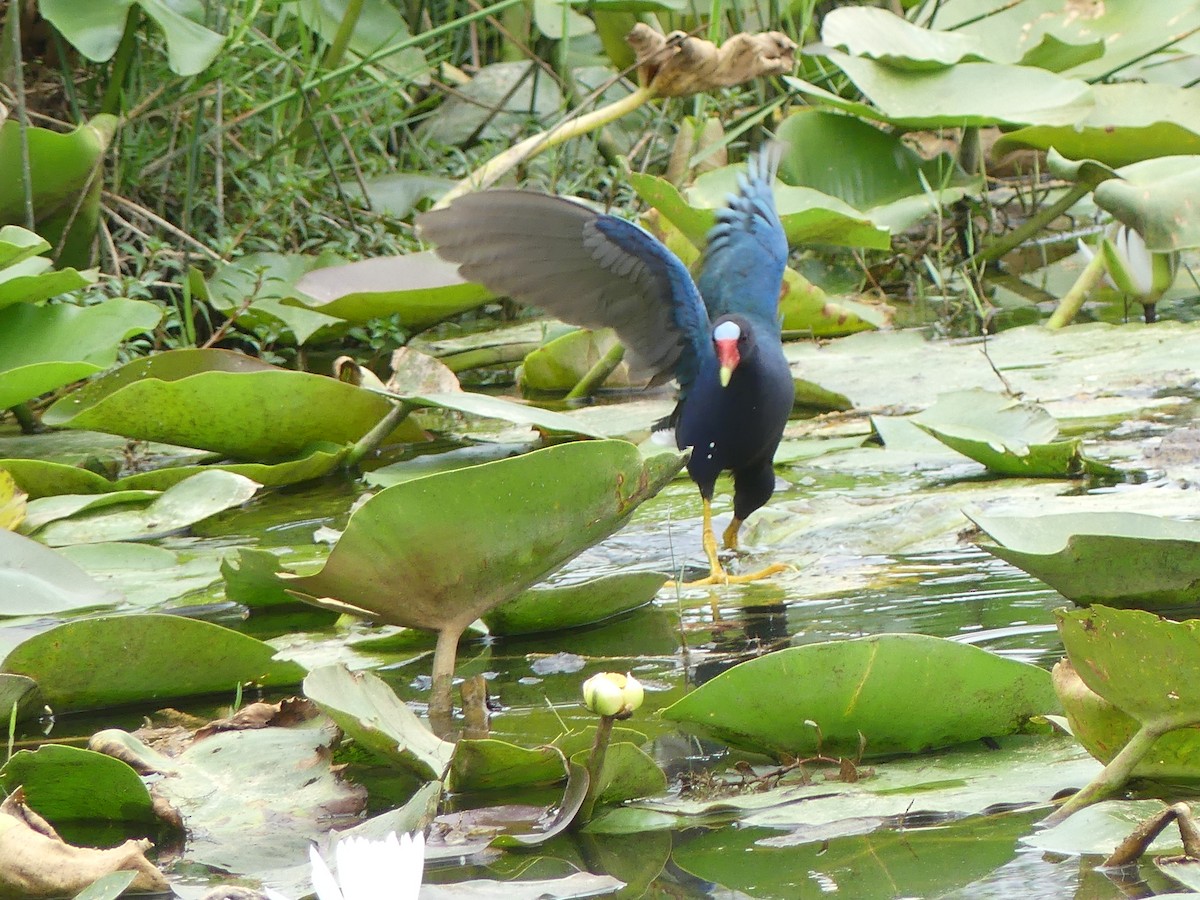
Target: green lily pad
[(66, 191), (254, 800), (804, 307), (1085, 171), (1130, 122), (43, 478), (18, 244), (175, 509), (379, 26), (107, 887), (1154, 198), (95, 31), (187, 397), (1104, 730), (46, 347), (427, 552), (838, 155), (871, 690), (1112, 650), (573, 796), (966, 780), (1007, 436), (1098, 830), (499, 408), (629, 773), (32, 280), (267, 280), (969, 93), (251, 579), (18, 691), (559, 364), (809, 216), (52, 509), (446, 461), (1117, 559), (419, 289), (70, 784), (36, 581), (551, 609), (117, 660), (366, 709), (145, 575), (492, 765), (884, 36)]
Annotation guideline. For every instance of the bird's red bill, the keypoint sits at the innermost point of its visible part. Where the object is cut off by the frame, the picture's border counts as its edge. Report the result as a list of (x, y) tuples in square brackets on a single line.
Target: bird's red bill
[(728, 357)]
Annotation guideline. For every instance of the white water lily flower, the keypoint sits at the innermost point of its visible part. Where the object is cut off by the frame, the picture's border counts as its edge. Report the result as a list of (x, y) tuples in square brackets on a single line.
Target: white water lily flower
[(1130, 267), (390, 869)]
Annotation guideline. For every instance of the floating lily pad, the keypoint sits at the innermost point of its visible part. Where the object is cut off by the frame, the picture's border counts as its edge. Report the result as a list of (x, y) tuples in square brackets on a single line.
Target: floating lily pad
[(1008, 436), (45, 347), (70, 784), (36, 581), (1098, 830), (552, 609), (806, 308), (190, 398), (506, 410), (116, 660), (564, 815), (491, 765), (43, 478), (446, 461), (366, 709), (185, 504), (868, 690), (419, 289), (254, 800), (1118, 559), (144, 574)]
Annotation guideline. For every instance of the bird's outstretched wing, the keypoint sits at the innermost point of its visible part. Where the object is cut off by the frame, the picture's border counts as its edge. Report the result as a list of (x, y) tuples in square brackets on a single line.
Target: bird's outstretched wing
[(585, 267), (747, 249)]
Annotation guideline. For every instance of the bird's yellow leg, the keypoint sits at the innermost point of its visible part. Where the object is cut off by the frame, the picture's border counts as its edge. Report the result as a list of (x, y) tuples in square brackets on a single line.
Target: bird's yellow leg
[(717, 573), (731, 534)]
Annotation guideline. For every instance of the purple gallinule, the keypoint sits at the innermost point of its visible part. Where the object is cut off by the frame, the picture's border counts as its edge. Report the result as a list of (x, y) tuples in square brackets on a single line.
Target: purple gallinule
[(720, 337)]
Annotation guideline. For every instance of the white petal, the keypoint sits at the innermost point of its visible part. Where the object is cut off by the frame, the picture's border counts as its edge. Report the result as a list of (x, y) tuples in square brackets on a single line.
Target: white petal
[(272, 894), (412, 847), (363, 870), (322, 879)]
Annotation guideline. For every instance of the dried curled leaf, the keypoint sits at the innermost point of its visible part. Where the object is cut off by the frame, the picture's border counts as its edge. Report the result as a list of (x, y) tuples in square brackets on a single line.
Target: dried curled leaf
[(36, 862), (678, 64)]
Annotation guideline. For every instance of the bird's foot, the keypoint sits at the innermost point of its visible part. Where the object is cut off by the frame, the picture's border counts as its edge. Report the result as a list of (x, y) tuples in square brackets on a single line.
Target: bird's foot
[(719, 576)]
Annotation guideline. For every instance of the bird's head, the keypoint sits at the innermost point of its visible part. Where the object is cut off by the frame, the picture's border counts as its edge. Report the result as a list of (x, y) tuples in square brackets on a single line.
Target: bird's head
[(732, 340)]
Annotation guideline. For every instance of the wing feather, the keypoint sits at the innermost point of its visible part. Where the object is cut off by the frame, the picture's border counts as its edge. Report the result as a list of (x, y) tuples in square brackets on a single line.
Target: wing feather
[(584, 267)]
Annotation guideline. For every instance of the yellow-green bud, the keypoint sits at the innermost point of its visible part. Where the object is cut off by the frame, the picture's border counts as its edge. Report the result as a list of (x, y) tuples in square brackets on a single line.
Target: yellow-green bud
[(612, 694)]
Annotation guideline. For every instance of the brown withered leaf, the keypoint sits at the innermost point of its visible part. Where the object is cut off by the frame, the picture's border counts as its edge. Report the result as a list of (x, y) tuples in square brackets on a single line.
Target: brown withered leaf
[(678, 65), (291, 711), (36, 862), (414, 372)]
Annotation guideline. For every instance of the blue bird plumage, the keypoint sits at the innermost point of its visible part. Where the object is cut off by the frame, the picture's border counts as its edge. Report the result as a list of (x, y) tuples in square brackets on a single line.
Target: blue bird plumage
[(718, 336)]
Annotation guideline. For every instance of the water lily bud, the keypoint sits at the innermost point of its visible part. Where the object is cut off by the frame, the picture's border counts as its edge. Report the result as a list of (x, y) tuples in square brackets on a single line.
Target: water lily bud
[(1132, 268), (612, 694), (634, 694)]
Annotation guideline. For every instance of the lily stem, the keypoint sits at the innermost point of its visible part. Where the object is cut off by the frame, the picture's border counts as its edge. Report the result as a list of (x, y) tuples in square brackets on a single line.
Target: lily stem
[(596, 375), (1072, 300), (1032, 225), (370, 441), (595, 765)]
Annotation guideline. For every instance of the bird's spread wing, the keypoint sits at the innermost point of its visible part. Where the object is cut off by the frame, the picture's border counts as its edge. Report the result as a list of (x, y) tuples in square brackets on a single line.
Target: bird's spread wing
[(747, 249), (585, 267)]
